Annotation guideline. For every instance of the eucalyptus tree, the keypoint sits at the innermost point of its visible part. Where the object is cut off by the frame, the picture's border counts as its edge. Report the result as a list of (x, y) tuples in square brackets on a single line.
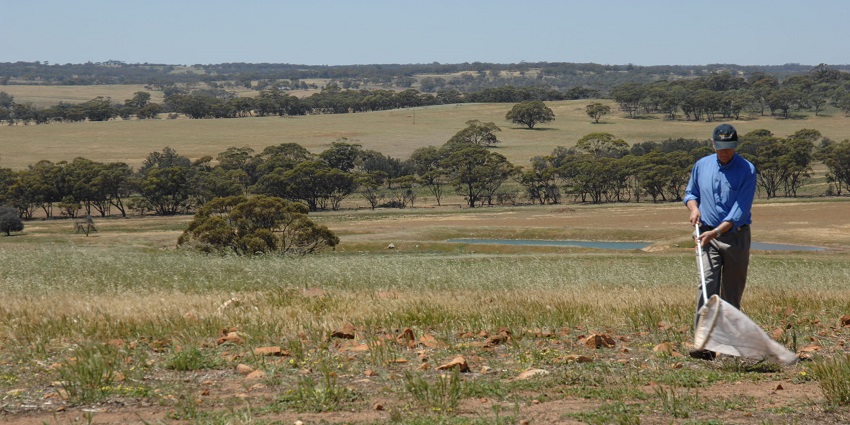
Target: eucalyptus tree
[(426, 163), (477, 133), (256, 225), (476, 173), (597, 110), (836, 157), (530, 113)]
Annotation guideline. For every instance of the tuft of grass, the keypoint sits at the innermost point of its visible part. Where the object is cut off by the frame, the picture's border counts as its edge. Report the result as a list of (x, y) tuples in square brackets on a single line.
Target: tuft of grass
[(678, 403), (619, 413), (324, 395), (89, 374), (440, 396), (833, 376), (192, 359)]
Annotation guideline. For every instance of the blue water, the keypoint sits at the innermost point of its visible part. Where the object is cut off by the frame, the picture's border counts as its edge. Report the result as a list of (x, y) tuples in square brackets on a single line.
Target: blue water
[(760, 246), (780, 247), (582, 244)]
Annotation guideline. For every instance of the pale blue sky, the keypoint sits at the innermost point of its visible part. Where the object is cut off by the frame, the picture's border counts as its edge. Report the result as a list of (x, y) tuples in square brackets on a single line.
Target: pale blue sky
[(343, 32)]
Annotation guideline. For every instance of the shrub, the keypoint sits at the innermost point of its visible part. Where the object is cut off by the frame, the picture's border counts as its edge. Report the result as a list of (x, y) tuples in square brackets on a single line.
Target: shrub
[(10, 221), (256, 225)]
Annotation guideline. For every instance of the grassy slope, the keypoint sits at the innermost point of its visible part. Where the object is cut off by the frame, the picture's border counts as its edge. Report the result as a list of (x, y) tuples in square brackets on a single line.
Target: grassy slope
[(395, 133)]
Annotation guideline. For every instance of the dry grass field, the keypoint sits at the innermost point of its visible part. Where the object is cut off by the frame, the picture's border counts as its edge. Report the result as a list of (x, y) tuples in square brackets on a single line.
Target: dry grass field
[(396, 133), (122, 327), (119, 327)]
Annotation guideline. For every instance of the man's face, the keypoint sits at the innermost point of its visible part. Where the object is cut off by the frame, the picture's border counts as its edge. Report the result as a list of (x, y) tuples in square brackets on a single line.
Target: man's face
[(725, 155)]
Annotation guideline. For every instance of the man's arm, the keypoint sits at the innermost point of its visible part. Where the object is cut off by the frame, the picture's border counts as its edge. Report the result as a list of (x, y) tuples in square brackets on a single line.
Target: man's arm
[(693, 207)]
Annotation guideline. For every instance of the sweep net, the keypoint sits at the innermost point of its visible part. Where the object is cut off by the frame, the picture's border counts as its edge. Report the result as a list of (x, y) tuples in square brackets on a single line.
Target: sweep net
[(724, 329)]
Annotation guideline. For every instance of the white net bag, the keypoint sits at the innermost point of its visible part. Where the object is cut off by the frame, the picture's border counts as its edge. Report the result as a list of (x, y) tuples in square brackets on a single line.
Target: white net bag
[(724, 329)]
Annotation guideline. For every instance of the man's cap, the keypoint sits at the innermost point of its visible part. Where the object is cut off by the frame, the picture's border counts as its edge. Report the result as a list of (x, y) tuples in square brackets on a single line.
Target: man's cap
[(725, 137)]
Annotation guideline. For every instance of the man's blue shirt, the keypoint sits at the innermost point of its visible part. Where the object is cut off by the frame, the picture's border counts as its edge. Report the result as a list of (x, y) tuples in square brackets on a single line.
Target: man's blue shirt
[(723, 192)]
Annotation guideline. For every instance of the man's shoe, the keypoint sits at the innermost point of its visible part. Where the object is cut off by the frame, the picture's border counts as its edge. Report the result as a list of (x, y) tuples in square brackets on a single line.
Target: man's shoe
[(702, 354)]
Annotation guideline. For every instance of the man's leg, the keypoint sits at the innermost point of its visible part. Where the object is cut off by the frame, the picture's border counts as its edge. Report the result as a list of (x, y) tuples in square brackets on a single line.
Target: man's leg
[(735, 249)]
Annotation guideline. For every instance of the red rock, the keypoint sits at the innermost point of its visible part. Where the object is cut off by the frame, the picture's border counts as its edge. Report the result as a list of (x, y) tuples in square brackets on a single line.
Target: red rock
[(457, 362)]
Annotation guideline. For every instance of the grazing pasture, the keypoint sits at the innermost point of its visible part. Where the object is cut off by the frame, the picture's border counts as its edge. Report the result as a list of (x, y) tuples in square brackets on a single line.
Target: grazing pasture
[(120, 326), (124, 328), (396, 133)]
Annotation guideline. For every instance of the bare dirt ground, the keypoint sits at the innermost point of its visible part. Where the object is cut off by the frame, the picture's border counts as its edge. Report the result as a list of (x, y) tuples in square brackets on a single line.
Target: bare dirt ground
[(822, 224)]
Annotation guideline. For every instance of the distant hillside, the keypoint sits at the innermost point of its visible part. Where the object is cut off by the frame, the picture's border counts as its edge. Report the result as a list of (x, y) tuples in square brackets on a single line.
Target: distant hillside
[(464, 77)]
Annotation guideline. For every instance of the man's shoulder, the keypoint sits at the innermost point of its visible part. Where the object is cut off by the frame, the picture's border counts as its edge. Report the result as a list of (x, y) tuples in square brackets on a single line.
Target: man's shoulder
[(744, 162), (707, 160)]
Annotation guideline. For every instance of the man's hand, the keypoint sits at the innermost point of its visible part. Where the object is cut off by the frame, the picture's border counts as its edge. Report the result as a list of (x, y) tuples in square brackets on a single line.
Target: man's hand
[(695, 216), (706, 237)]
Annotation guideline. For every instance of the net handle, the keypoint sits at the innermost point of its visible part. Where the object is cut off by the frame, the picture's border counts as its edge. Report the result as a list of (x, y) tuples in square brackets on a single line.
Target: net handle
[(701, 265)]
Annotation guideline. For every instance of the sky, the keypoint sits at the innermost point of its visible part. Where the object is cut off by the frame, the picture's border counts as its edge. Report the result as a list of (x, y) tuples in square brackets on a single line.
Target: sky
[(351, 32)]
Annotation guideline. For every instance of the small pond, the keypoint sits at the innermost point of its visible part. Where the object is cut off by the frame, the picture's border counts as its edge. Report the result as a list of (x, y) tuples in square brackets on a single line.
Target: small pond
[(761, 246)]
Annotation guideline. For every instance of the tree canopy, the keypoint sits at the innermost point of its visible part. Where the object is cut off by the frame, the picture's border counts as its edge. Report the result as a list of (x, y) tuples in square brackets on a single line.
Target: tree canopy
[(256, 225), (530, 113)]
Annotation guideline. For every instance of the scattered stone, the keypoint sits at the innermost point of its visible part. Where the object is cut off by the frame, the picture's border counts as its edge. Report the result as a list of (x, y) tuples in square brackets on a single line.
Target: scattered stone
[(664, 349), (369, 372), (485, 370), (391, 246), (495, 340), (244, 369), (431, 342), (353, 347), (424, 366), (844, 321), (599, 341), (406, 336), (347, 332), (231, 337), (270, 351), (255, 375), (811, 348), (457, 362), (378, 407), (531, 373), (578, 358)]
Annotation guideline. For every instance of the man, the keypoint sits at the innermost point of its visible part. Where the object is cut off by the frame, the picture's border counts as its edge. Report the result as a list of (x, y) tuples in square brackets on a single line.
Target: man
[(719, 197)]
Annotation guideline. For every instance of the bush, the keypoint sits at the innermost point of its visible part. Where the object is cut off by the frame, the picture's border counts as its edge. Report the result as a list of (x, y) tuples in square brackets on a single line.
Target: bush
[(10, 221), (256, 225)]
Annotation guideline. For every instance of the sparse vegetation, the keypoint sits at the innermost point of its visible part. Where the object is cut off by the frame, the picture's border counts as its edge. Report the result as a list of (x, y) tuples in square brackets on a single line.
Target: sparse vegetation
[(140, 349), (123, 319)]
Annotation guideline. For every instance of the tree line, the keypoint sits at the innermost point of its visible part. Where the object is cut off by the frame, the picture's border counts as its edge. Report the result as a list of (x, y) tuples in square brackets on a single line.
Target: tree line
[(728, 96), (599, 168), (219, 103), (706, 98)]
